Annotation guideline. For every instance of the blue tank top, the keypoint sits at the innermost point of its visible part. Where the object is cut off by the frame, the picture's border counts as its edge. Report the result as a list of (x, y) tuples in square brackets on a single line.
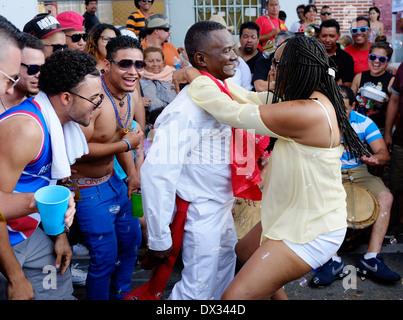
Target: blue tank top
[(36, 174)]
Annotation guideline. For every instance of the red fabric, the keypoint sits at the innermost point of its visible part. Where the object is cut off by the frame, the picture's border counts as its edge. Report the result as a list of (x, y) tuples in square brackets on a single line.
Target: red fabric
[(244, 168), (153, 288)]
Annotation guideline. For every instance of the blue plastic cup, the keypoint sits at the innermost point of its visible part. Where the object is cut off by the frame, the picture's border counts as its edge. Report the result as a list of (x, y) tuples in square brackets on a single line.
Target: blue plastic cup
[(52, 202)]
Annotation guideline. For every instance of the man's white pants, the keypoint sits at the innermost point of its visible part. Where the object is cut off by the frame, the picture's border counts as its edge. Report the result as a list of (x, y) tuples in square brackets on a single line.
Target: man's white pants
[(208, 252)]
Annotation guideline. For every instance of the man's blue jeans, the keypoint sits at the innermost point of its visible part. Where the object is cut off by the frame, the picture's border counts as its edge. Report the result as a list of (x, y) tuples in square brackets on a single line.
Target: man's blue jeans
[(112, 236)]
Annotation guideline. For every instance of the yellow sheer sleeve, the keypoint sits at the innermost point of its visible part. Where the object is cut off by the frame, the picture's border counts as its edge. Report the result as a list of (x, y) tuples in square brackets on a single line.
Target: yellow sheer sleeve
[(242, 112)]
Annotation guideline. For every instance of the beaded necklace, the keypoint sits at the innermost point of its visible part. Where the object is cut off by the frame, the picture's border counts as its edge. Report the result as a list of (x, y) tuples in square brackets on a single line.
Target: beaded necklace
[(127, 127)]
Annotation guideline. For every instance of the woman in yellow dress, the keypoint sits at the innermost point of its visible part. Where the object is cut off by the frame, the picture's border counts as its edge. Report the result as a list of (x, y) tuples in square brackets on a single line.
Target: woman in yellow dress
[(303, 207)]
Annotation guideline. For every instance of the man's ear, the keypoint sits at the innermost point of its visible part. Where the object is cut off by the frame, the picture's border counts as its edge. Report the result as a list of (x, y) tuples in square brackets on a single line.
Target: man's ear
[(353, 106), (65, 98), (106, 65), (200, 59)]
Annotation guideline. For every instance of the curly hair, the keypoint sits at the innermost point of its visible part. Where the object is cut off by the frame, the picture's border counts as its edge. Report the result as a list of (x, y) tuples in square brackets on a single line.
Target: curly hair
[(65, 70), (121, 42), (92, 42)]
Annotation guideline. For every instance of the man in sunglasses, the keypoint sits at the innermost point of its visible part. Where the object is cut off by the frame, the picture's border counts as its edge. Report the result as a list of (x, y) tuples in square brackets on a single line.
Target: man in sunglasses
[(325, 13), (33, 152), (359, 49), (32, 58), (158, 31), (46, 28), (77, 38), (136, 22), (110, 232)]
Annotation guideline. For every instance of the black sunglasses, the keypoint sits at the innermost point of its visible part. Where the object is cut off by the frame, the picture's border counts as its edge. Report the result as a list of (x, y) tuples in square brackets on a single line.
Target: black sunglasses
[(101, 96), (57, 47), (165, 29), (126, 64), (326, 13), (381, 59), (78, 36), (32, 69)]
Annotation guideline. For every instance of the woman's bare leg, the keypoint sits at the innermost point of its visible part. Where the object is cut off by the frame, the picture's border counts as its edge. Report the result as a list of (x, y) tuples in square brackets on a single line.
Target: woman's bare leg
[(247, 245), (272, 265)]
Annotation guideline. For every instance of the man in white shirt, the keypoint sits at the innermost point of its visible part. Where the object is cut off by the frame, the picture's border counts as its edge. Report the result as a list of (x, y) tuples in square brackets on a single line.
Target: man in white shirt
[(190, 158)]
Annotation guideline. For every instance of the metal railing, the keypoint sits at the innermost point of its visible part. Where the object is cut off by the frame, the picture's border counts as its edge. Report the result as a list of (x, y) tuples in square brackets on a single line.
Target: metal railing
[(234, 12)]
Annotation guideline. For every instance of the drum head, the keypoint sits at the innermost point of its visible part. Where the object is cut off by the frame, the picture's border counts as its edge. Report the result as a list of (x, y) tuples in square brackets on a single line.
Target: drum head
[(362, 207)]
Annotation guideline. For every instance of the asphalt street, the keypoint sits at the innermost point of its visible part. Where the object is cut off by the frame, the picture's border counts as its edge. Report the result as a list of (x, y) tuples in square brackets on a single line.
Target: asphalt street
[(352, 287)]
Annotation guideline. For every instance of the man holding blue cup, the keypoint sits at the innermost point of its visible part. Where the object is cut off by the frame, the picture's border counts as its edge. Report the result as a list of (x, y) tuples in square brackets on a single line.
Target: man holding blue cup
[(34, 152)]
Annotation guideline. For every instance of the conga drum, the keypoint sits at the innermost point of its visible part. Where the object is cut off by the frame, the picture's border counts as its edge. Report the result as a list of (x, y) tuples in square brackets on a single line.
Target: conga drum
[(245, 217), (362, 206)]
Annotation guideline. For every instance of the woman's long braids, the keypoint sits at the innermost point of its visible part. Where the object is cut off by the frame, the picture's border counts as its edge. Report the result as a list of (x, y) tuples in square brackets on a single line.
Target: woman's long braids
[(303, 69)]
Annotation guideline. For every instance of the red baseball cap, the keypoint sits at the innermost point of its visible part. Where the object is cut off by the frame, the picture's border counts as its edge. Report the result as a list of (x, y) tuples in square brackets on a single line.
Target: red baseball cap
[(71, 19)]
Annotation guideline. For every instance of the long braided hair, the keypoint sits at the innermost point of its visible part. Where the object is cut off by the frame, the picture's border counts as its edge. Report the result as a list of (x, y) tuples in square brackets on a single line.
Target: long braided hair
[(304, 68)]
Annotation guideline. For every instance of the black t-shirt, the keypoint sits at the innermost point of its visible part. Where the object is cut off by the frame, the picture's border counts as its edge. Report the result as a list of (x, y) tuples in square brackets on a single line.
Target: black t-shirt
[(370, 108), (90, 21), (252, 61), (344, 65), (262, 68)]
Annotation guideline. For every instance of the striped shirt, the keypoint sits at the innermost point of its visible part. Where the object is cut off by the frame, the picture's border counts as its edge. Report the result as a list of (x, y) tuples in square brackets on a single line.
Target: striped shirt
[(36, 174), (367, 130), (136, 21)]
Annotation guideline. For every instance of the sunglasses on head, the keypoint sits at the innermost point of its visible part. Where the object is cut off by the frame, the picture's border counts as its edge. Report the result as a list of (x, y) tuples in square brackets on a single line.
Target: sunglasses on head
[(126, 64), (362, 30), (381, 59), (32, 69), (78, 36), (57, 47), (326, 13)]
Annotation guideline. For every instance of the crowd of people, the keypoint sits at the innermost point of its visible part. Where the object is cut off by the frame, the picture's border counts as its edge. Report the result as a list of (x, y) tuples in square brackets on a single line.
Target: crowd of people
[(113, 112)]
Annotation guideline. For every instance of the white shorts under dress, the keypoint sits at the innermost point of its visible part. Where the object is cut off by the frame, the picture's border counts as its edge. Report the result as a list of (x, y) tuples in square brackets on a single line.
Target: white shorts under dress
[(318, 251)]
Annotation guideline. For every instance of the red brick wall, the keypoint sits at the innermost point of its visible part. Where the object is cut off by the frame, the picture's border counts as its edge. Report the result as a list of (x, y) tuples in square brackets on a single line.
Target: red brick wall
[(344, 11)]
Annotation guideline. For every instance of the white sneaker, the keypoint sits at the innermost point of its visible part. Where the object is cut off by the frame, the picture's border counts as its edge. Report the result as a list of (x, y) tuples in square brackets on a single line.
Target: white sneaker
[(80, 250), (78, 276)]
